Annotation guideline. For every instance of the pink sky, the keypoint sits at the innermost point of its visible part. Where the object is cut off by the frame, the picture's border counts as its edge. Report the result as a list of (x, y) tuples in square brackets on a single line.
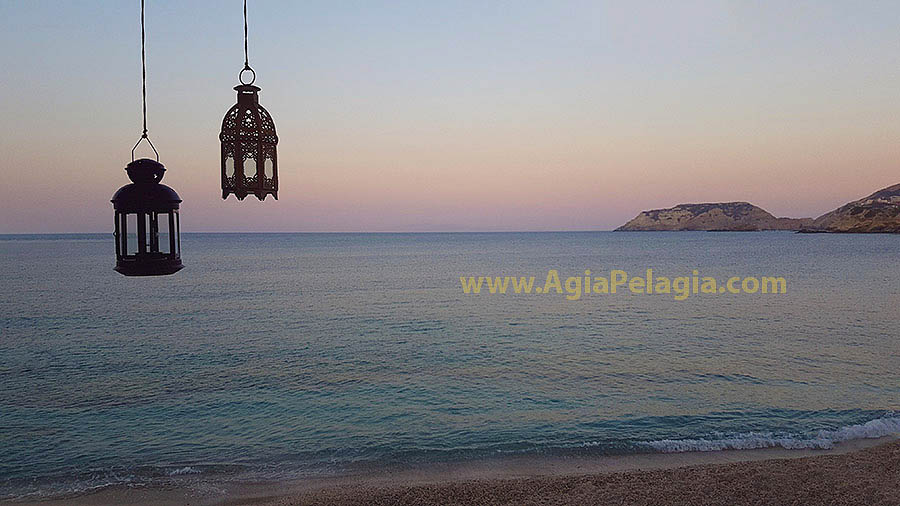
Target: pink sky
[(455, 117)]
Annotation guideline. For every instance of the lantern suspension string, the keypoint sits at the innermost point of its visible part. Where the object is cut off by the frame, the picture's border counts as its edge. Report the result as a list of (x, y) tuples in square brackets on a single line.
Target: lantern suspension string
[(246, 54), (144, 90)]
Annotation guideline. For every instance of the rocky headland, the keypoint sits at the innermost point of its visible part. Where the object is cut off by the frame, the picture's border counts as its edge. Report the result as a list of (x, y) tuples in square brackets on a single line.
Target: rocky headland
[(877, 213)]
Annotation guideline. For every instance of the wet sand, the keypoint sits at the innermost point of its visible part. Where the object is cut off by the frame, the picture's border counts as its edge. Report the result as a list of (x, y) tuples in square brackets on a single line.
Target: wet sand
[(858, 472)]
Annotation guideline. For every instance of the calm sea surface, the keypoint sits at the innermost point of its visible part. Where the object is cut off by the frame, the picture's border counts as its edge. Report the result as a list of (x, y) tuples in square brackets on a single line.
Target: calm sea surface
[(275, 355)]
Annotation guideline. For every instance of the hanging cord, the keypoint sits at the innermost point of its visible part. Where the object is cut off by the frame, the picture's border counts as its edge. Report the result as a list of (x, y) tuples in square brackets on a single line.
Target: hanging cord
[(144, 91), (246, 54)]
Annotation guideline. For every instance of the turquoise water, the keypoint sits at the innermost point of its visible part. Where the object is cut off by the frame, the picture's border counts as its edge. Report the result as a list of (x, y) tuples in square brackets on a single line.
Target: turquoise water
[(282, 355)]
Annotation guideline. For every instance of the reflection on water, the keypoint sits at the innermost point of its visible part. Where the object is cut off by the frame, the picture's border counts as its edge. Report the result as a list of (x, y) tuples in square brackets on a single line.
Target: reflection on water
[(308, 351)]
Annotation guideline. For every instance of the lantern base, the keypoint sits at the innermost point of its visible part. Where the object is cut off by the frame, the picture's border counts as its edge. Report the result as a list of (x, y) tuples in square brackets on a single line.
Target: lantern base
[(148, 267), (241, 194)]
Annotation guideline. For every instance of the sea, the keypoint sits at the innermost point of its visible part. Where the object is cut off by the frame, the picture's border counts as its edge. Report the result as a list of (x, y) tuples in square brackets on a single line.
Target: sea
[(281, 356)]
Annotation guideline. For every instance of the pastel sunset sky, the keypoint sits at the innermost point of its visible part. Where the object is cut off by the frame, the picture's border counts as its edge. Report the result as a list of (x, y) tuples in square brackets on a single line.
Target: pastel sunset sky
[(453, 115)]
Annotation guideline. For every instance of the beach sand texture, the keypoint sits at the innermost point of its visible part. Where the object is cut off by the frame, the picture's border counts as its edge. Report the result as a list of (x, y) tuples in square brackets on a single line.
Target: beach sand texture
[(844, 476), (867, 477)]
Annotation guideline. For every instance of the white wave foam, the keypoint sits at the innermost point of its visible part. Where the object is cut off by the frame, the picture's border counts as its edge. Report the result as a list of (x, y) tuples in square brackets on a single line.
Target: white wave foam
[(824, 439), (183, 470)]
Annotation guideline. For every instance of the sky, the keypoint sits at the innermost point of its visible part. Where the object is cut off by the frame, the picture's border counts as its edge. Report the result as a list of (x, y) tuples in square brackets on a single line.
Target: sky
[(455, 115)]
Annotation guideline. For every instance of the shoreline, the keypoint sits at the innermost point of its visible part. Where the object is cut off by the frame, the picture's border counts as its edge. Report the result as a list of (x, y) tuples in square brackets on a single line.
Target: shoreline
[(655, 478)]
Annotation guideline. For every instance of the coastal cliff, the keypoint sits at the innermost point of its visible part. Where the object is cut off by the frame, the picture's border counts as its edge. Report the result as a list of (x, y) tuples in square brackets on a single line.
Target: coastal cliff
[(726, 216), (877, 213)]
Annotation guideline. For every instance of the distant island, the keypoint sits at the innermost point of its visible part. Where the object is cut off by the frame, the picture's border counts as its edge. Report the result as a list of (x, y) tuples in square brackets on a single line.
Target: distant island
[(738, 216), (877, 213)]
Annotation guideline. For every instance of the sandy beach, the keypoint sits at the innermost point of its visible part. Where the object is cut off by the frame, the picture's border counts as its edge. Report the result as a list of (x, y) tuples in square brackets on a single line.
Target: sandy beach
[(858, 472)]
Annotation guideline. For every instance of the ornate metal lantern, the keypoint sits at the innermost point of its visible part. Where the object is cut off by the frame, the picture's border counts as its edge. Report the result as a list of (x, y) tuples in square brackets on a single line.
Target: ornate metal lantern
[(148, 239), (249, 156)]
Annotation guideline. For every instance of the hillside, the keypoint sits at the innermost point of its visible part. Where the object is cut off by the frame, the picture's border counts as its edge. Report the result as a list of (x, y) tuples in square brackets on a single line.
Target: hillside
[(877, 213), (725, 216)]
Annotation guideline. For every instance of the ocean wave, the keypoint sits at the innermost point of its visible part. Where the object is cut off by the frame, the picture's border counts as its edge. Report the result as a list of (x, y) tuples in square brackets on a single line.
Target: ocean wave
[(820, 440), (632, 439), (182, 470), (86, 482)]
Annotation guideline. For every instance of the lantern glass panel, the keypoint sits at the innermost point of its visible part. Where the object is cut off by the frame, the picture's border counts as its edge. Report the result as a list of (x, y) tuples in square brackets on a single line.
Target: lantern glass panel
[(249, 160), (131, 247), (162, 223), (229, 166)]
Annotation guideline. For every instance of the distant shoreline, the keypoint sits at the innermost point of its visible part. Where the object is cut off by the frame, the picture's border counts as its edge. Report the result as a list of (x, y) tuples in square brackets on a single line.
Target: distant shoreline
[(106, 235), (878, 213)]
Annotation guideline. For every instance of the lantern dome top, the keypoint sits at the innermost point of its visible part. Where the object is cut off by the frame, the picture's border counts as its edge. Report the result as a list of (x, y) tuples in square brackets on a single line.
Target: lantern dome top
[(145, 170), (145, 193), (247, 120)]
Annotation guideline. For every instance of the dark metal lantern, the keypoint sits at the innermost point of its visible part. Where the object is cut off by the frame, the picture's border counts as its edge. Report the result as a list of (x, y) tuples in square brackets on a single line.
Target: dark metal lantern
[(148, 238), (249, 156)]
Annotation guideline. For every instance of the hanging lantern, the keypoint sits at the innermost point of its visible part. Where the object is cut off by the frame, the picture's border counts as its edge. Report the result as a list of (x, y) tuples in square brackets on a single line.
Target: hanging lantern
[(148, 239), (249, 156), (147, 230)]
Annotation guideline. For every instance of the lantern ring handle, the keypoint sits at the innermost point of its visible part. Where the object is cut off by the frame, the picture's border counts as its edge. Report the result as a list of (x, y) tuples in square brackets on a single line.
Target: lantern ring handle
[(144, 136), (241, 75)]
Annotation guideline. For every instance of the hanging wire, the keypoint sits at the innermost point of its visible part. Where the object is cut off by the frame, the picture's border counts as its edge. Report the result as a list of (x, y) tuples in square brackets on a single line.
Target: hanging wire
[(246, 54), (144, 91)]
